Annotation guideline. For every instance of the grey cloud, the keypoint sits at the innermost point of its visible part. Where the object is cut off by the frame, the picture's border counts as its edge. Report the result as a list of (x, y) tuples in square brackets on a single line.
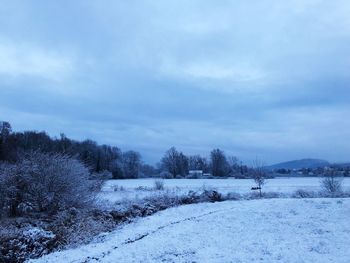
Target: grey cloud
[(260, 77)]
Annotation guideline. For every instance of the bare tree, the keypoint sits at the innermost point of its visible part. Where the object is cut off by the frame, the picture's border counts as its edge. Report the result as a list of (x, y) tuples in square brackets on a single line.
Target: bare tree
[(131, 164), (332, 183), (169, 161), (219, 164), (196, 162), (233, 164), (147, 170), (175, 162), (182, 164), (259, 174)]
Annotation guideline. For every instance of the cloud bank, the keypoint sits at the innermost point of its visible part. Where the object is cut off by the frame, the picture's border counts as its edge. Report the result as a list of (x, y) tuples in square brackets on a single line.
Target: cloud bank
[(258, 78)]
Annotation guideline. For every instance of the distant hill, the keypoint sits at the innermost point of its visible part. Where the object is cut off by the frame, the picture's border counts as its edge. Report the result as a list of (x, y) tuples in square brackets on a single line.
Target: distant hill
[(298, 164)]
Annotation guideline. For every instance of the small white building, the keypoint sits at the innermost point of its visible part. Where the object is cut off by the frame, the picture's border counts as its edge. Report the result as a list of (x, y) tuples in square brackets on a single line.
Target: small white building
[(195, 172)]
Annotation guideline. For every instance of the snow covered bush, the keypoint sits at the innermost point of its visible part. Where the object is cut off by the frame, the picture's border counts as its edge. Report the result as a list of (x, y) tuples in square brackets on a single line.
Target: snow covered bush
[(24, 237), (301, 193), (163, 200), (166, 175), (193, 176), (159, 184), (41, 182), (2, 196), (210, 196), (332, 184), (233, 196), (117, 188), (17, 245), (144, 188), (75, 226), (274, 195)]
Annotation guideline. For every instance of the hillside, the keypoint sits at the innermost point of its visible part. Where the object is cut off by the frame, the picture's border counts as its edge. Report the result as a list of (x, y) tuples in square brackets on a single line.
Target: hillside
[(298, 164)]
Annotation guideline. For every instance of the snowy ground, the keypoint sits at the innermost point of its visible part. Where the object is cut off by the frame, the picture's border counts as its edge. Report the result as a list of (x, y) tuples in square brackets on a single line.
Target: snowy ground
[(282, 185), (274, 230)]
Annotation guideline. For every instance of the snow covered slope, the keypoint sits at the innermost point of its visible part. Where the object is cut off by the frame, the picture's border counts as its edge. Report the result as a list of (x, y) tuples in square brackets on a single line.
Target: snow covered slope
[(276, 230)]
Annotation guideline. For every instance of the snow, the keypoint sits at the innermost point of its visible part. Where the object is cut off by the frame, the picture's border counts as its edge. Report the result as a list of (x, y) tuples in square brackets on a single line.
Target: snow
[(36, 233), (178, 186), (269, 230)]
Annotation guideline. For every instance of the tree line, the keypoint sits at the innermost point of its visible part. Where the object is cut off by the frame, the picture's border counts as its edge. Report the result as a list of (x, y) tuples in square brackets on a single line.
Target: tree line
[(177, 164), (118, 164), (97, 158)]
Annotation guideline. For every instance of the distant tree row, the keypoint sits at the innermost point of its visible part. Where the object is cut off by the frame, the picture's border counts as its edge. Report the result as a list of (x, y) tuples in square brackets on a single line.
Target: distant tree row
[(219, 165), (112, 161), (319, 171), (98, 158)]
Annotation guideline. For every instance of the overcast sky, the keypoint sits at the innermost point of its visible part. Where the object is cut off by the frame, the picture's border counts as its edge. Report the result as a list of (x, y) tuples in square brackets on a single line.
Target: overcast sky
[(262, 78)]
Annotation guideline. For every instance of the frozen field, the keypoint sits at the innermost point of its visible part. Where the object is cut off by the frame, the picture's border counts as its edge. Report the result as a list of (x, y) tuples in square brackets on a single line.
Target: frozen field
[(274, 230), (139, 188)]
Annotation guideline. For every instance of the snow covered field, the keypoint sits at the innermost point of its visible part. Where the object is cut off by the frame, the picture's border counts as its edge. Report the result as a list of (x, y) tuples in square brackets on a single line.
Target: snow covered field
[(139, 188), (274, 230)]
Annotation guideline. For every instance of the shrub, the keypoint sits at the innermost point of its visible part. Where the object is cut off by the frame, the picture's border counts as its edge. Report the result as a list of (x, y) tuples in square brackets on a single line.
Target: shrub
[(300, 193), (273, 195), (210, 177), (193, 176), (166, 175), (190, 198), (211, 196), (76, 226), (117, 188), (241, 176), (233, 196), (41, 182), (159, 184), (17, 245), (163, 200), (143, 188), (2, 196)]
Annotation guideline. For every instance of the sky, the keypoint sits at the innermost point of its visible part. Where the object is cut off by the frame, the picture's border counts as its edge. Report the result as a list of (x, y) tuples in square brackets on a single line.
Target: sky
[(260, 78)]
